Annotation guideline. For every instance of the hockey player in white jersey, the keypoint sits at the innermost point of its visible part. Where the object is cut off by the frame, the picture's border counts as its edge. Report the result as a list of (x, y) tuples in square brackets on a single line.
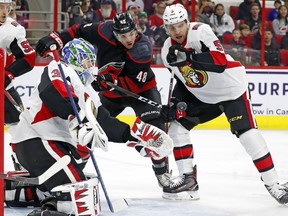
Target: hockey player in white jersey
[(210, 83), (20, 59), (13, 41), (48, 130)]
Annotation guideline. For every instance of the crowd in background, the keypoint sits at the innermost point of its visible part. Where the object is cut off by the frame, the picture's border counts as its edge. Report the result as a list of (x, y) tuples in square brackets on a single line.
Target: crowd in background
[(239, 31)]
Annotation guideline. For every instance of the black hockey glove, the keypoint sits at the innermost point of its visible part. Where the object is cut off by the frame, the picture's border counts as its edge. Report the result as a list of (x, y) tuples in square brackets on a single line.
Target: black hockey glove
[(100, 82), (44, 44), (175, 111), (178, 56)]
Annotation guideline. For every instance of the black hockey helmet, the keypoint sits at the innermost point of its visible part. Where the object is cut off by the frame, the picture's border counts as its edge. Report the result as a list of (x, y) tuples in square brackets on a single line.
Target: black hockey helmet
[(123, 23)]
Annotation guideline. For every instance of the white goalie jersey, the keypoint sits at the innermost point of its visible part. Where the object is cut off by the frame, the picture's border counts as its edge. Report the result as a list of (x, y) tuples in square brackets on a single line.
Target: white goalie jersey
[(208, 86), (47, 116)]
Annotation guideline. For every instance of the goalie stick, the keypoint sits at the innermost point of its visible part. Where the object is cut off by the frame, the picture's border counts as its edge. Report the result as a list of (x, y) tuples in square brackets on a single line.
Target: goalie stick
[(55, 168), (114, 206)]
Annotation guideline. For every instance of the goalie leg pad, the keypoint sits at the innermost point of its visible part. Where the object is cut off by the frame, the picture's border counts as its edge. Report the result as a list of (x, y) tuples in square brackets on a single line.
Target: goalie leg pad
[(18, 194), (80, 198)]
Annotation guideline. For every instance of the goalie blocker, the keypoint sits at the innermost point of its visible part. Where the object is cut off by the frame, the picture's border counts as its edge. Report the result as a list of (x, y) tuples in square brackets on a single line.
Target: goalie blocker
[(153, 142)]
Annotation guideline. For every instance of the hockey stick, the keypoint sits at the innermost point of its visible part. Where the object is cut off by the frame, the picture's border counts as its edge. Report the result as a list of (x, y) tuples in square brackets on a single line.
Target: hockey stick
[(55, 168), (132, 94), (120, 204), (11, 99), (169, 97)]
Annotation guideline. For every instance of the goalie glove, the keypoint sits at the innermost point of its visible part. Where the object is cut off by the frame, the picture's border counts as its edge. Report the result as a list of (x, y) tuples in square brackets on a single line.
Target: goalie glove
[(153, 142), (82, 134), (100, 138), (178, 56), (89, 133), (44, 44)]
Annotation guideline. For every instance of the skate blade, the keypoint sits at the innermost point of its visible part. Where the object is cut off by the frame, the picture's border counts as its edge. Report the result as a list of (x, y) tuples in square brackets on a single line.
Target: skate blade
[(185, 195)]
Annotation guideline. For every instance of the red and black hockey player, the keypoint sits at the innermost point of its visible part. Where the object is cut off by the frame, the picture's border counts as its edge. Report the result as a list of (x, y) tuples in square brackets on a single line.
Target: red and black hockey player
[(211, 83), (124, 57)]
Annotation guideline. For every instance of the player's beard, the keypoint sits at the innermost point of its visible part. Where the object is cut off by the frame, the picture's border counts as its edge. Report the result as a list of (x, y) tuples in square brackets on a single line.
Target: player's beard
[(106, 12)]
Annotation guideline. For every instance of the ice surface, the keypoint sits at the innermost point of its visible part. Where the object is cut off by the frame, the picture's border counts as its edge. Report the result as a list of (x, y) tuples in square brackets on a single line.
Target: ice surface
[(229, 183)]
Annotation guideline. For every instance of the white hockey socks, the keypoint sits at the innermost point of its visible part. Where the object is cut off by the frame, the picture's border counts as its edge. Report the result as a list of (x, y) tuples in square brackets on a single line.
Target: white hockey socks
[(256, 147), (80, 198)]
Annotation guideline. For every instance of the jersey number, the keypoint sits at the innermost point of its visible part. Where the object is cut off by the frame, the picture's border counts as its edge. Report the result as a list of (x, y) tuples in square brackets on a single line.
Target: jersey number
[(218, 45), (142, 76), (26, 46)]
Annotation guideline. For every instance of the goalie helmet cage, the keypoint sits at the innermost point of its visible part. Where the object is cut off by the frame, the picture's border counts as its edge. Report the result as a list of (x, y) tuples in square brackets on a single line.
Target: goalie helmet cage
[(2, 60)]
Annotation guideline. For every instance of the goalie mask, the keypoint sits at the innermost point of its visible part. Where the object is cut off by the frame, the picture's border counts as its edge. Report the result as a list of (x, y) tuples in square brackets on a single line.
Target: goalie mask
[(80, 55)]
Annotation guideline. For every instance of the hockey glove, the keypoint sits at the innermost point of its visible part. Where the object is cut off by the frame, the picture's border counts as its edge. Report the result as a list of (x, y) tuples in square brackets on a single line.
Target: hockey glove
[(100, 82), (178, 56), (44, 44), (8, 78), (153, 142), (175, 111), (82, 134)]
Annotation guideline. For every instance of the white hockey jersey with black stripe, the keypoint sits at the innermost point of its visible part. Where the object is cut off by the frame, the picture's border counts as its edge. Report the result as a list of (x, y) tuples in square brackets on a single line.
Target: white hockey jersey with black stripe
[(212, 76)]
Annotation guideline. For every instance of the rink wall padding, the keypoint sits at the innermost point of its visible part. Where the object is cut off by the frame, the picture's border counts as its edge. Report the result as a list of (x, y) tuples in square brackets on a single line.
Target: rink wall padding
[(268, 87)]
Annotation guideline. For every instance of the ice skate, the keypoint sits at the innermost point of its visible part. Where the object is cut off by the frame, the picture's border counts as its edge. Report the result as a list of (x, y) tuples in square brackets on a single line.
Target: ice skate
[(279, 192), (163, 175), (186, 188)]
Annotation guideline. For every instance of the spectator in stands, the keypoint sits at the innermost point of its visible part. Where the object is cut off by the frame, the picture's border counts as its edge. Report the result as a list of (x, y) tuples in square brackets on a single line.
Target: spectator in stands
[(135, 8), (222, 22), (14, 15), (254, 19), (200, 17), (185, 3), (272, 50), (81, 13), (244, 9), (284, 42), (95, 4), (143, 26), (138, 3), (22, 5), (236, 46), (149, 6), (206, 7), (155, 20), (281, 22), (105, 12), (245, 34), (274, 12)]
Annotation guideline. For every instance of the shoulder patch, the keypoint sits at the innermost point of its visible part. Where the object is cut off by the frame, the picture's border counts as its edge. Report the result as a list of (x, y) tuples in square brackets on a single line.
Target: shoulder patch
[(195, 27), (14, 23), (142, 51)]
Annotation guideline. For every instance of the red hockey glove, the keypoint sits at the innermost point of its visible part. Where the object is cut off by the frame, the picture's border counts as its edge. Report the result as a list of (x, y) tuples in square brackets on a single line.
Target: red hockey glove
[(178, 56), (100, 82), (8, 78), (43, 45)]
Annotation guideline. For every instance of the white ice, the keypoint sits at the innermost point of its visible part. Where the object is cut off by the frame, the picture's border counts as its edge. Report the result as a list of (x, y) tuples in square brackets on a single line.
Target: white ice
[(229, 183)]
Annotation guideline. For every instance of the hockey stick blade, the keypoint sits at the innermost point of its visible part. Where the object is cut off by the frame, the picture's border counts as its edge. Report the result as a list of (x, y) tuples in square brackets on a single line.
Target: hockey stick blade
[(55, 168), (118, 205)]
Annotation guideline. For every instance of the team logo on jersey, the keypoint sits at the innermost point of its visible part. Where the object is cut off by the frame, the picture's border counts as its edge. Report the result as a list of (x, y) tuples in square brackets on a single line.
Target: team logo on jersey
[(112, 67), (194, 78)]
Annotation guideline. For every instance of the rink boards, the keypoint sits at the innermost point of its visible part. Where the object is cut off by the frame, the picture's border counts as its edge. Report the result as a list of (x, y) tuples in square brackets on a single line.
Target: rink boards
[(269, 91)]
